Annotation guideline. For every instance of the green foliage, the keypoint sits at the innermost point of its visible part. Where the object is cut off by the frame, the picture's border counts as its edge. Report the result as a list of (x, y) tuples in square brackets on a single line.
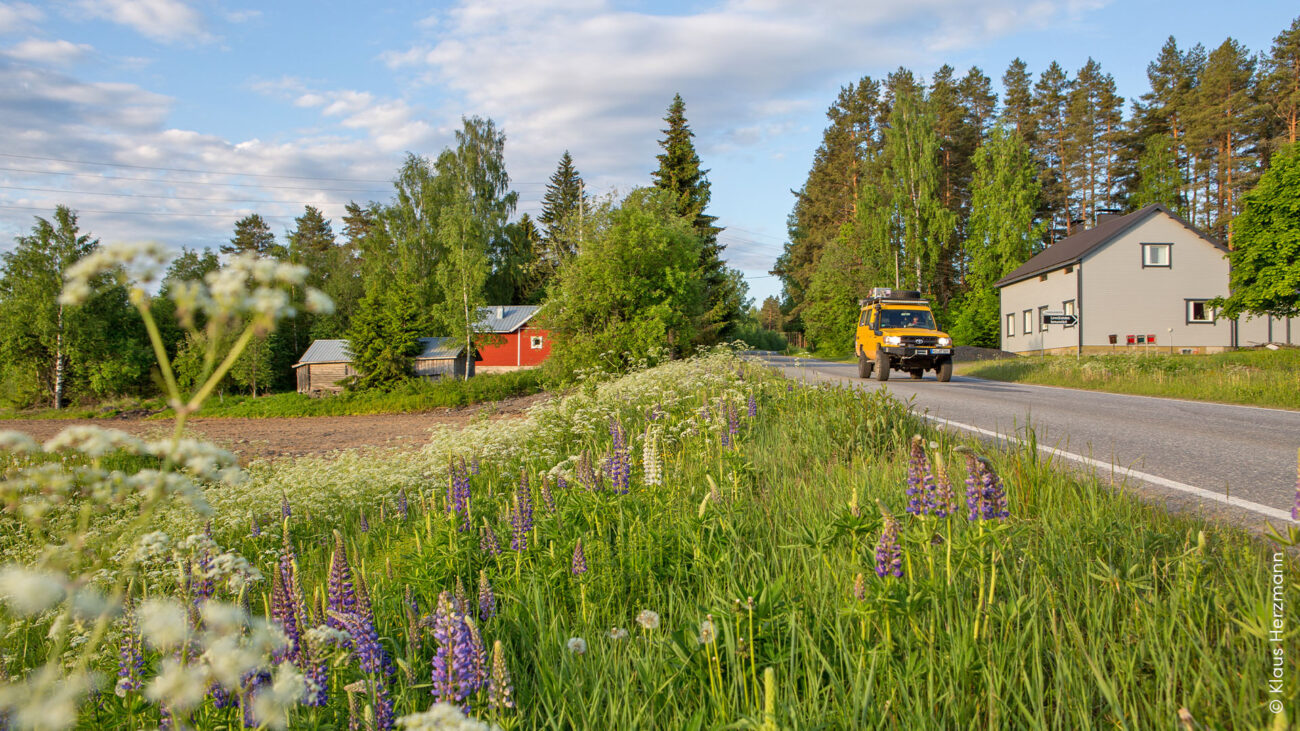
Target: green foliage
[(633, 288), (382, 337), (1265, 262), (518, 275), (253, 236), (561, 205), (912, 176), (1160, 177), (752, 333), (1251, 377)]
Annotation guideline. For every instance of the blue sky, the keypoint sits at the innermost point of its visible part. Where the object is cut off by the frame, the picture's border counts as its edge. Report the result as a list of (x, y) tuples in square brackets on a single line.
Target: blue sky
[(285, 103)]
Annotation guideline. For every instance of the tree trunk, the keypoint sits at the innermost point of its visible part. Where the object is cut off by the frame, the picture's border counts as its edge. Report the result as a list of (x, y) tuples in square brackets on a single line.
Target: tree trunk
[(58, 362)]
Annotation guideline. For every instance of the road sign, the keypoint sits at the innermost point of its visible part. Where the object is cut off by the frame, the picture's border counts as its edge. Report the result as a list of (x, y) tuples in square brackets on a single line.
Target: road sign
[(1054, 319)]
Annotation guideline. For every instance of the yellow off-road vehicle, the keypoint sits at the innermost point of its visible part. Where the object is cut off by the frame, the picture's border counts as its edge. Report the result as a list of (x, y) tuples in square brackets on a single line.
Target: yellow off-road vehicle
[(896, 329)]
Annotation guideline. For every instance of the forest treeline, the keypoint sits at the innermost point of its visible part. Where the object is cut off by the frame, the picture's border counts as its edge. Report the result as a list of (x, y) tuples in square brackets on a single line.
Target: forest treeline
[(620, 279), (946, 186)]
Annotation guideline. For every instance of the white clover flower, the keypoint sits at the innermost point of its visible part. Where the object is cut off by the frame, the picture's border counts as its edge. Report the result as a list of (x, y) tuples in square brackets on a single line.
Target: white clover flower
[(17, 442), (577, 645), (443, 717), (31, 592), (648, 619), (617, 633), (181, 687), (163, 623)]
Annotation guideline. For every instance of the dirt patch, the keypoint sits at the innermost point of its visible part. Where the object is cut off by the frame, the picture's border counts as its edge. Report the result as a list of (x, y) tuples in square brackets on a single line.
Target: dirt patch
[(967, 353), (292, 437)]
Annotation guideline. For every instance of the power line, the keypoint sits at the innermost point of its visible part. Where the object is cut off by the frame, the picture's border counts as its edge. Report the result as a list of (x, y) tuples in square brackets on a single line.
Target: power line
[(142, 213), (167, 197), (192, 182), (191, 170)]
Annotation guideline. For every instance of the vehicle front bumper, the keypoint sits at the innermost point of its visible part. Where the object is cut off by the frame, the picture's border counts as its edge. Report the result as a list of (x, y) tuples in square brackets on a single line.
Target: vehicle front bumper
[(909, 352)]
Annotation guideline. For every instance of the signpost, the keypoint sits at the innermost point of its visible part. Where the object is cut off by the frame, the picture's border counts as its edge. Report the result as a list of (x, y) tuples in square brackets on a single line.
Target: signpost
[(1054, 318)]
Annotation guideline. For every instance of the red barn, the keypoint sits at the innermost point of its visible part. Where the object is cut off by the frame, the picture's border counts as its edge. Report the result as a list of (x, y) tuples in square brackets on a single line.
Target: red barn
[(512, 344)]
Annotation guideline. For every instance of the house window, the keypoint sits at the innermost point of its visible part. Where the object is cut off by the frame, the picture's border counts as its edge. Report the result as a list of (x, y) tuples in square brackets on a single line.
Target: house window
[(1042, 318), (1068, 308), (1198, 311), (1029, 322), (535, 342), (1011, 325), (1156, 255)]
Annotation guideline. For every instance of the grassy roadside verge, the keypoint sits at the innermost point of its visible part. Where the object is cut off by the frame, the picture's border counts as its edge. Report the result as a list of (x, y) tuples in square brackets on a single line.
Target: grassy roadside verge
[(1249, 377), (410, 397)]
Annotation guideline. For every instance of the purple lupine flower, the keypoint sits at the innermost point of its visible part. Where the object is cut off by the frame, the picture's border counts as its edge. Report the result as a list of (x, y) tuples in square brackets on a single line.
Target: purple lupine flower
[(203, 587), (521, 520), (562, 484), (943, 502), (365, 524), (487, 541), (367, 615), (487, 600), (254, 682), (285, 510), (461, 598), (751, 406), (473, 465), (579, 564), (889, 555), (130, 663), (222, 698), (500, 688), (733, 423), (619, 464), (403, 507), (461, 496), (254, 530), (789, 388), (342, 596), (284, 612), (548, 498), (453, 662), (518, 531), (704, 412), (916, 468), (726, 438), (479, 665), (995, 498), (587, 476), (974, 488)]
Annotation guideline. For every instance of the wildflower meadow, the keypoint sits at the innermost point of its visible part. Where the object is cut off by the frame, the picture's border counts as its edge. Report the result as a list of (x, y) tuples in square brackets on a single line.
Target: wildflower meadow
[(696, 544)]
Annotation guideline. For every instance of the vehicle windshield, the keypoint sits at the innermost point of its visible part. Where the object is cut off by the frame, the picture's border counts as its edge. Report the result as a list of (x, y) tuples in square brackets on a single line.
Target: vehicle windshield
[(907, 318)]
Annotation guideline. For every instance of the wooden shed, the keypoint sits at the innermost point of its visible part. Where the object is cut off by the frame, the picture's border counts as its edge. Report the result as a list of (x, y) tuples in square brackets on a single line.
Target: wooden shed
[(327, 362)]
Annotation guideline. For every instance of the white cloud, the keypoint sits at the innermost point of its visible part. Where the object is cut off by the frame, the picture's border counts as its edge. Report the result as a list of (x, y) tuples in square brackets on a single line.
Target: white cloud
[(243, 16), (18, 16), (162, 20), (56, 53)]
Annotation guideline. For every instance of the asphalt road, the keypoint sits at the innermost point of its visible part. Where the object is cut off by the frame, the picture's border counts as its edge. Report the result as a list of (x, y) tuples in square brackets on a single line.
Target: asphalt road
[(1234, 460)]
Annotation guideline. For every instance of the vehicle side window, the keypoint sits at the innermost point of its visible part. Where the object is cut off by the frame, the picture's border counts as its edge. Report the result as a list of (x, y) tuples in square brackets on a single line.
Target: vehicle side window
[(862, 321)]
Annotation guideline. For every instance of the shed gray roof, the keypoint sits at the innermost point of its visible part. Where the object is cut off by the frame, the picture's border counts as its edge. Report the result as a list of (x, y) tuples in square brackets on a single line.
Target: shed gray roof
[(510, 319), (336, 351), (326, 351), (1071, 249), (439, 348)]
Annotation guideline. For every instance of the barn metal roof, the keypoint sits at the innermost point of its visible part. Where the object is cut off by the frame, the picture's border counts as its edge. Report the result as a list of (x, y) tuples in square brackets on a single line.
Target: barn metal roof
[(326, 351), (505, 318), (439, 348), (336, 351)]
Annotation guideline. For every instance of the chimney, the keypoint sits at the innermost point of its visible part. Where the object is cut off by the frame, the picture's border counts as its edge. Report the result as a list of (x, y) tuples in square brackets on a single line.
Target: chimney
[(501, 312)]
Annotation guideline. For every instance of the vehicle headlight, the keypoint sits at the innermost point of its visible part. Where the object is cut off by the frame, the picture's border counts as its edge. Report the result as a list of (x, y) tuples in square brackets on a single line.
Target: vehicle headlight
[(893, 340), (945, 341)]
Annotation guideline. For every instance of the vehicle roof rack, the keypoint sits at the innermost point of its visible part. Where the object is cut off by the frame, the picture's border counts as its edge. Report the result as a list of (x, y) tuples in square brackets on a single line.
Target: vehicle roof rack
[(898, 296)]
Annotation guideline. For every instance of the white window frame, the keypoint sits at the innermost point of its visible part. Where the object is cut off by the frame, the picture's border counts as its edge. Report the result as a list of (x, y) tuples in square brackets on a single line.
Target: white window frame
[(1042, 319), (1190, 304), (535, 342), (1011, 324), (1147, 249), (1067, 307), (1028, 322)]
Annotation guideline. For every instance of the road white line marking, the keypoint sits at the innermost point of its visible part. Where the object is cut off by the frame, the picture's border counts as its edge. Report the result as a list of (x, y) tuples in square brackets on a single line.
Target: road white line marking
[(1128, 395), (1125, 472)]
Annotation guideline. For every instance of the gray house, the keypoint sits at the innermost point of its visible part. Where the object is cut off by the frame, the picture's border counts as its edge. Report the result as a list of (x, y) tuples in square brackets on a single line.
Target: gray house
[(1139, 282), (327, 362)]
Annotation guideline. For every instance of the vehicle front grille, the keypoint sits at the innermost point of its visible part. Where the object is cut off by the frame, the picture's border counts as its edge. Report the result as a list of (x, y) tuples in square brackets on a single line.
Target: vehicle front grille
[(920, 340)]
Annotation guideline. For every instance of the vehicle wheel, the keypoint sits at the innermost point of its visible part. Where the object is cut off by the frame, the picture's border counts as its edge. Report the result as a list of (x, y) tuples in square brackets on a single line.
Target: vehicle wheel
[(882, 366), (916, 374), (945, 370), (864, 366)]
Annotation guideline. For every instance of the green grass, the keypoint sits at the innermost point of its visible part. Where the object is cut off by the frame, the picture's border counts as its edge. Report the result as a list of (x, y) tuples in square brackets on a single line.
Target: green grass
[(106, 410), (1251, 377), (1085, 609)]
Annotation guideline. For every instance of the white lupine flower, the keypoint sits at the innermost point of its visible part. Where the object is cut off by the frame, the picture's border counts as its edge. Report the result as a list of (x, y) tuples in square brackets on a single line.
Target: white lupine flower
[(442, 717), (163, 623), (181, 687), (271, 705), (17, 442), (648, 619), (30, 592)]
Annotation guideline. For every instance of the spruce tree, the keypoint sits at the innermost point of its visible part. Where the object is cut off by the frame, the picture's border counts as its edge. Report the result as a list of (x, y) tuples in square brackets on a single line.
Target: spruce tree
[(1018, 102), (682, 177), (253, 236), (561, 203)]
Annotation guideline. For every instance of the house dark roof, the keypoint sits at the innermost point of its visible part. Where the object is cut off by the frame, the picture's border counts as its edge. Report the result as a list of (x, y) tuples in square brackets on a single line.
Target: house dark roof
[(336, 351), (1071, 249), (505, 318)]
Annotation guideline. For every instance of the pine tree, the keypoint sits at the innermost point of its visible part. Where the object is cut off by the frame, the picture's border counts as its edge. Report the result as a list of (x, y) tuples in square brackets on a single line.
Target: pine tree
[(1094, 124), (1280, 85), (770, 316), (1226, 116), (1051, 99), (1018, 102), (253, 236), (680, 174), (1160, 177), (310, 244), (1166, 109), (562, 202)]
